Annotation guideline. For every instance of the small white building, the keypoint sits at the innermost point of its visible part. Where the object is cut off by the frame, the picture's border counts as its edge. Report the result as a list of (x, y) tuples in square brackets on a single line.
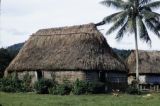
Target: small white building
[(149, 69)]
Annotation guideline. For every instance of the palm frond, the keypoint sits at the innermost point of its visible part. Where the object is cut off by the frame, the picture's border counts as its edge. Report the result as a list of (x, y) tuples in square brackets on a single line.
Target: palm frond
[(155, 22), (158, 27), (122, 31), (155, 4), (143, 31), (113, 3), (152, 27), (112, 18), (116, 25), (141, 8), (142, 2), (132, 1), (149, 14)]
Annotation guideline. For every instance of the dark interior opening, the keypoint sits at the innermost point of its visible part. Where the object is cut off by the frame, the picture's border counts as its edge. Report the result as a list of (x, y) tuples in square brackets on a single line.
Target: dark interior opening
[(39, 74), (102, 76)]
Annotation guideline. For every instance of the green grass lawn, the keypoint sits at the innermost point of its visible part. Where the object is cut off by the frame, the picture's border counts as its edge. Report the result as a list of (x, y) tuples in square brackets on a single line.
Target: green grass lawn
[(31, 99)]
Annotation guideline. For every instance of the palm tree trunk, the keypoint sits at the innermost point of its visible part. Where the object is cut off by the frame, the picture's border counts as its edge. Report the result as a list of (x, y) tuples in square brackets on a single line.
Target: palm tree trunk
[(137, 56)]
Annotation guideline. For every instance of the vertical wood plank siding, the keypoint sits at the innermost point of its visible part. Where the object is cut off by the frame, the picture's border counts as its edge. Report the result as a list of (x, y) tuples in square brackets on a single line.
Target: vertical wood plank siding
[(116, 81), (92, 76), (146, 79)]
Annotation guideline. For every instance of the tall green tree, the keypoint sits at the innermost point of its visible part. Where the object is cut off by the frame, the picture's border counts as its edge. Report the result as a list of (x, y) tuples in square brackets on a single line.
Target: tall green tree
[(5, 59), (135, 16)]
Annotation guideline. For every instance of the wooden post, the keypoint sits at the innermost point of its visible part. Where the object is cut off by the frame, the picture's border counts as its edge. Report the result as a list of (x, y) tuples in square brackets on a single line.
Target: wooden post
[(154, 87), (140, 86), (157, 87), (150, 88)]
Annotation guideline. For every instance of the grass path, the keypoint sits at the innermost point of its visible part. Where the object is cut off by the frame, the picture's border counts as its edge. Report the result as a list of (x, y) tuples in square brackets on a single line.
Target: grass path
[(31, 99)]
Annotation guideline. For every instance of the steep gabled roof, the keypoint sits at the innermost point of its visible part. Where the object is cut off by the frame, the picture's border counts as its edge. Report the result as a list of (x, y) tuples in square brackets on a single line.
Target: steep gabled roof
[(80, 47), (149, 62)]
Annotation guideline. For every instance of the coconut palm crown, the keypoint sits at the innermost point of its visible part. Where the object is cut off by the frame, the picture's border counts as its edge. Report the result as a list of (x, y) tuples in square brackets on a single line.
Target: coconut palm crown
[(135, 16)]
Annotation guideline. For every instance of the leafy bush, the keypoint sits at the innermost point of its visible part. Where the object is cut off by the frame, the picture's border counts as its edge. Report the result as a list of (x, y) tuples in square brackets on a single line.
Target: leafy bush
[(133, 89), (42, 86), (84, 87), (11, 85), (79, 87), (61, 89), (27, 80), (45, 86), (53, 90), (95, 87), (64, 89)]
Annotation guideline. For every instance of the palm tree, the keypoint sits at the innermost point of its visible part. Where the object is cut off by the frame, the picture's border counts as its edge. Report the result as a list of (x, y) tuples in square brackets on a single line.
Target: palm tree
[(135, 16)]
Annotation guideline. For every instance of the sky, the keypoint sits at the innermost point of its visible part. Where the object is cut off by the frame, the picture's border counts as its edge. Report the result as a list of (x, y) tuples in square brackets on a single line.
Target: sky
[(20, 18)]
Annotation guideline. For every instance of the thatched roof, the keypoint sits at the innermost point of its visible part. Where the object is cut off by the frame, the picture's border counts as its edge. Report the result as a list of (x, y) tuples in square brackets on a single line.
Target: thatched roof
[(149, 62), (80, 47)]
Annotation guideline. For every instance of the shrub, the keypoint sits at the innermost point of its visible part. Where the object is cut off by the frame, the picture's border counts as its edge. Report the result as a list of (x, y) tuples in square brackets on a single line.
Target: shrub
[(132, 89), (27, 79), (95, 87), (85, 87), (79, 87), (11, 85), (42, 86), (53, 90), (64, 89), (61, 89)]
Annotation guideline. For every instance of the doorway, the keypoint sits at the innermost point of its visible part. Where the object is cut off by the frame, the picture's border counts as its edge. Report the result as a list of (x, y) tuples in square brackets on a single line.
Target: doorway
[(102, 76), (39, 75)]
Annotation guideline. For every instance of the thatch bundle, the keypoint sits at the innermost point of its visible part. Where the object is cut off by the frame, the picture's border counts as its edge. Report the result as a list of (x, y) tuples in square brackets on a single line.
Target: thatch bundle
[(80, 47), (149, 62)]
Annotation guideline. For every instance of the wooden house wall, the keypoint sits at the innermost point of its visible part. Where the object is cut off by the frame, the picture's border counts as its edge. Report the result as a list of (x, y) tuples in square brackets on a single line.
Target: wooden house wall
[(116, 77), (33, 75), (116, 81), (60, 76), (92, 76), (142, 79), (112, 80), (146, 79), (151, 79), (71, 75)]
